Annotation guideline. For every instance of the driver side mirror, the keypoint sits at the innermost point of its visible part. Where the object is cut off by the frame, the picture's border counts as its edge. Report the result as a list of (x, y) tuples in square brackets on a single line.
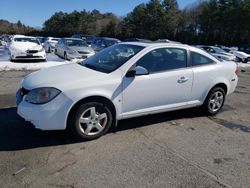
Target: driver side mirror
[(137, 71)]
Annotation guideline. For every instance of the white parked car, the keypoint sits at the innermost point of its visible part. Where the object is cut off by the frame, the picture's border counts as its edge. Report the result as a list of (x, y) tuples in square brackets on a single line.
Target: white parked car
[(218, 53), (50, 43), (241, 56), (25, 47), (124, 81), (71, 48)]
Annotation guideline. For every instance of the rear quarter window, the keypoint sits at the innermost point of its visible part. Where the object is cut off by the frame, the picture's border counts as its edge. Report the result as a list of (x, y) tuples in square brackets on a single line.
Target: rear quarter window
[(199, 59)]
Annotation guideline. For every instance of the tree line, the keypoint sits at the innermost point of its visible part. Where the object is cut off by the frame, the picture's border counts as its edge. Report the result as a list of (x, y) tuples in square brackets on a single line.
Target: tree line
[(14, 28), (205, 22)]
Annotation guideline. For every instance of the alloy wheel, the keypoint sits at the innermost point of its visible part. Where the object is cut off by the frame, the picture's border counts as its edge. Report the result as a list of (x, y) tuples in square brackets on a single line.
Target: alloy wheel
[(216, 101), (92, 121)]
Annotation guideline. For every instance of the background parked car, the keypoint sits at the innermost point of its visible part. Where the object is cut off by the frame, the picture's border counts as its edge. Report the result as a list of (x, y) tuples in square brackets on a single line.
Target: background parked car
[(167, 41), (218, 52), (25, 47), (50, 43), (136, 40), (245, 48), (88, 38), (41, 40), (240, 56), (101, 43), (71, 48), (2, 42)]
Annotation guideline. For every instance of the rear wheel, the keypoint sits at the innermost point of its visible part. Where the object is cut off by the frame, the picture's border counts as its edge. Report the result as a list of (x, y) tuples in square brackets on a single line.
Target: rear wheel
[(214, 101), (91, 120), (49, 50), (65, 56)]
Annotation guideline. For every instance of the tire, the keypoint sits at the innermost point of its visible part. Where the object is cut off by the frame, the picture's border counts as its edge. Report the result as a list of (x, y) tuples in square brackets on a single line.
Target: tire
[(238, 59), (49, 50), (244, 60), (65, 56), (91, 121), (214, 101)]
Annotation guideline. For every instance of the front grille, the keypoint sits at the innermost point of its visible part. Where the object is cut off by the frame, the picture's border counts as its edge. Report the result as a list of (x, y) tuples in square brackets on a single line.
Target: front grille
[(27, 57), (82, 52), (32, 51)]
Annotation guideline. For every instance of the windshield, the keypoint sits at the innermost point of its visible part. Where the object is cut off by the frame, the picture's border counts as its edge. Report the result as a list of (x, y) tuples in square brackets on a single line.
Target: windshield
[(112, 58), (111, 42), (219, 50), (54, 40), (70, 42), (26, 39)]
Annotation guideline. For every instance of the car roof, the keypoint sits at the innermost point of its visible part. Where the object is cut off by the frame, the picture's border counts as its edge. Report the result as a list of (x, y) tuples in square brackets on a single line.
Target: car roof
[(71, 38), (171, 45), (23, 36), (147, 44), (106, 38)]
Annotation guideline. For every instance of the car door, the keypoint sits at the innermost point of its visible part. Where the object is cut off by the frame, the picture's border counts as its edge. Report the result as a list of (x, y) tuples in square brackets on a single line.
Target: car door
[(168, 84), (204, 75)]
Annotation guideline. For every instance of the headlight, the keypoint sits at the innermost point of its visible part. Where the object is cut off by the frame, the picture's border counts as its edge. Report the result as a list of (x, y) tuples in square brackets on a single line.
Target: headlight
[(42, 95), (41, 50), (71, 51)]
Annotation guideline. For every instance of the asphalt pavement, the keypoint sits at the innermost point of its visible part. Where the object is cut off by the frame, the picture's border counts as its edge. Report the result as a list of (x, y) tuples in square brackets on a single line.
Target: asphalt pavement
[(176, 149)]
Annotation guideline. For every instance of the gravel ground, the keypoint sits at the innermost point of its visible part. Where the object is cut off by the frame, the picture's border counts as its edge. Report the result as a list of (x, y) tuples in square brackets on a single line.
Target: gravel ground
[(177, 149)]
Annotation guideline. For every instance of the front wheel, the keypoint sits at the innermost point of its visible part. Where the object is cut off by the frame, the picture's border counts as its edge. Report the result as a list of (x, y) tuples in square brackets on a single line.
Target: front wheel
[(244, 60), (214, 101), (91, 120), (65, 56)]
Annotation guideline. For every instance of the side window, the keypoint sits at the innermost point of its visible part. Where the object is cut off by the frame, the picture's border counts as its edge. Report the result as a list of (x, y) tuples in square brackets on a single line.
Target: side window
[(198, 59), (164, 59)]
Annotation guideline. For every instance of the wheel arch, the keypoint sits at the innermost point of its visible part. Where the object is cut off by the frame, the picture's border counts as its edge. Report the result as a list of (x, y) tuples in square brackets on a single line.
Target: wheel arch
[(95, 98), (221, 85)]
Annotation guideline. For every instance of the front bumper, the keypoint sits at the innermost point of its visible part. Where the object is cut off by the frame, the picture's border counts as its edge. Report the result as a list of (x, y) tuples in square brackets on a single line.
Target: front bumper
[(26, 56), (79, 56), (49, 116)]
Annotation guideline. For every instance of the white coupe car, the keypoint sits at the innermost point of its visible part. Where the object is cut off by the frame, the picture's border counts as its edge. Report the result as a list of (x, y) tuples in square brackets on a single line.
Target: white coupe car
[(124, 81), (26, 48)]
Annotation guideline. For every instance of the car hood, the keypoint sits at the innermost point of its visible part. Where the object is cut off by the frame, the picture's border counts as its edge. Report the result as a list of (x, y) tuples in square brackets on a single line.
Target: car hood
[(226, 54), (81, 48), (24, 46), (241, 54), (64, 77)]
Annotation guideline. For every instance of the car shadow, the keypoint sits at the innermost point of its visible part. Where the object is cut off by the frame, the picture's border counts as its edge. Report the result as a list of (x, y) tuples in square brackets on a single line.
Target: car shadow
[(17, 134)]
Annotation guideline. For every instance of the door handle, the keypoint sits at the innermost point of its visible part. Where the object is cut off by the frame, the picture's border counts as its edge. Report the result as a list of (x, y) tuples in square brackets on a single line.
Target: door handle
[(183, 80)]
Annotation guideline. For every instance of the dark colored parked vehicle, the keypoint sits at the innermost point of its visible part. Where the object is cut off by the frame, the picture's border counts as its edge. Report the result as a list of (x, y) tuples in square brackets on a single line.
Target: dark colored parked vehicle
[(103, 42), (245, 49), (88, 38), (137, 40)]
